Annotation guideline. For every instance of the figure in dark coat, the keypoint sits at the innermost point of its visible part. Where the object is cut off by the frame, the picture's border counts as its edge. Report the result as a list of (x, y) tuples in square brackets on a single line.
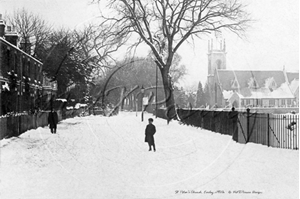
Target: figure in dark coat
[(52, 121), (149, 132)]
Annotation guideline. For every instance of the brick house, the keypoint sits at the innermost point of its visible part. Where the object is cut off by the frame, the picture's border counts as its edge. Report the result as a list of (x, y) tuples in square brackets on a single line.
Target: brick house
[(21, 79)]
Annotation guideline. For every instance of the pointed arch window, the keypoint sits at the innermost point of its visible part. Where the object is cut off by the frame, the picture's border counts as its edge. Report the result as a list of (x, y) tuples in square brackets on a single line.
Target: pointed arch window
[(253, 83), (219, 64), (235, 84)]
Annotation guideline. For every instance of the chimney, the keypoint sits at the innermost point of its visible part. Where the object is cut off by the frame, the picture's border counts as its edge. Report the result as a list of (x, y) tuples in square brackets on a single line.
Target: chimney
[(2, 26), (11, 35), (25, 45)]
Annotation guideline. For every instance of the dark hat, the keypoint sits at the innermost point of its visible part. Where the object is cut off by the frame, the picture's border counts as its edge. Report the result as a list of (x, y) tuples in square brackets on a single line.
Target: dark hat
[(150, 120)]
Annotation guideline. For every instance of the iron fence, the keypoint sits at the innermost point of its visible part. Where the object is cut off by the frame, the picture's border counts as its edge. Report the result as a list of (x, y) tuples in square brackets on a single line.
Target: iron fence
[(274, 130)]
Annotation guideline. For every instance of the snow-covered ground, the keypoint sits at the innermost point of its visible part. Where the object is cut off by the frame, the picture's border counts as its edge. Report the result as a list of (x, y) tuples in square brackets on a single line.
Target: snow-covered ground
[(98, 157)]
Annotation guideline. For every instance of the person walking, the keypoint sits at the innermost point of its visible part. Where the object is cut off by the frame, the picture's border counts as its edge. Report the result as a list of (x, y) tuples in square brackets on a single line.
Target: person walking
[(149, 133), (52, 121)]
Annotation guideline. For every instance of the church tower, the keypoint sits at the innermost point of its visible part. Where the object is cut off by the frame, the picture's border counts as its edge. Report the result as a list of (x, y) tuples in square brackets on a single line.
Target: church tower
[(216, 56), (216, 60)]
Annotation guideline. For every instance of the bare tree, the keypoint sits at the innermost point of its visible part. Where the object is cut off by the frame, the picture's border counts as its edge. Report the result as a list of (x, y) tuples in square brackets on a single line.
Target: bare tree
[(33, 30), (164, 25), (98, 44)]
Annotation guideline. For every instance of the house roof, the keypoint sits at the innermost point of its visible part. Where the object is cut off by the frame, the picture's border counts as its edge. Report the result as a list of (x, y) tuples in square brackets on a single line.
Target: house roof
[(18, 49)]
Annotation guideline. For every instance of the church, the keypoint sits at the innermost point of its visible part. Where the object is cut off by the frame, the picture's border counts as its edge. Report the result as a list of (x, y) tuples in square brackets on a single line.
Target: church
[(248, 88)]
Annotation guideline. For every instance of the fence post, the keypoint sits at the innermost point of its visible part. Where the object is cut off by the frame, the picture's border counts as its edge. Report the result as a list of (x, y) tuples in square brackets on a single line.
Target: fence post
[(268, 115), (248, 125)]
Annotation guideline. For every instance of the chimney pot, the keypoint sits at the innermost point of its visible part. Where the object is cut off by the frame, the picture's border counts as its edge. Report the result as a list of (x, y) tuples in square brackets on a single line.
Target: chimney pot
[(8, 29), (11, 36), (2, 26)]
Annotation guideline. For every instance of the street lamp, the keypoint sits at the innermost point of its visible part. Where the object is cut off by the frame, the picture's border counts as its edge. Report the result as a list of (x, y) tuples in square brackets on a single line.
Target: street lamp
[(142, 97)]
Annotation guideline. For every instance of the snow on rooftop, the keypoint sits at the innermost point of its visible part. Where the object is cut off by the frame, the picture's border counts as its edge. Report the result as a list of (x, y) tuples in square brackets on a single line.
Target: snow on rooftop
[(60, 99), (78, 105), (294, 85), (282, 92), (227, 94)]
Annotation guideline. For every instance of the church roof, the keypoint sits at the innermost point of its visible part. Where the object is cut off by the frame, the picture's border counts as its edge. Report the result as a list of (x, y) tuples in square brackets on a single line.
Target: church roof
[(243, 77), (292, 75), (254, 84), (294, 85)]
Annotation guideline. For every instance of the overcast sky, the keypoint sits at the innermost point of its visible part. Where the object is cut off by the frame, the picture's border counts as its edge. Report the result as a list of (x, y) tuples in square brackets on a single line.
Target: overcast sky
[(270, 44)]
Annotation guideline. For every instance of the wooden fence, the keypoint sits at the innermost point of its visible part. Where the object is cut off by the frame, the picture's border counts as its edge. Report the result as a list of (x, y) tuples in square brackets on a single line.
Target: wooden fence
[(15, 125)]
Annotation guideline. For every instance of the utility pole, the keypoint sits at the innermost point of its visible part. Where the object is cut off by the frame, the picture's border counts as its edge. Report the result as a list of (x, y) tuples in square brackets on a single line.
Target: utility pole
[(156, 91)]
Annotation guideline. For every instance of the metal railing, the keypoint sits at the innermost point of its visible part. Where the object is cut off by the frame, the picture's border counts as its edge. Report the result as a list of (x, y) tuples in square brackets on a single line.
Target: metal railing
[(274, 130)]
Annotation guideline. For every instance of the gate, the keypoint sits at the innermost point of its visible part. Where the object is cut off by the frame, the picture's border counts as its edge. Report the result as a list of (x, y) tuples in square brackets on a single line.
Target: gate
[(281, 131), (284, 131)]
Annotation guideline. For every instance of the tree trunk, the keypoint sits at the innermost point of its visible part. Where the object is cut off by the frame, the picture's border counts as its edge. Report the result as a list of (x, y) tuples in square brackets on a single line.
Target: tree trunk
[(169, 96), (130, 106)]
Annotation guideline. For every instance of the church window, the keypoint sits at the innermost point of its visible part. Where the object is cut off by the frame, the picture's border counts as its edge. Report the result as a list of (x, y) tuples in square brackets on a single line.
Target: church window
[(276, 102), (235, 84), (272, 102), (219, 64), (209, 67), (247, 102), (265, 102), (288, 102), (251, 102), (279, 102)]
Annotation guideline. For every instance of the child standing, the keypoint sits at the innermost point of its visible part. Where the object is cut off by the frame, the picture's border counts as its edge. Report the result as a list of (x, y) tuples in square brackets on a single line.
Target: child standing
[(149, 132)]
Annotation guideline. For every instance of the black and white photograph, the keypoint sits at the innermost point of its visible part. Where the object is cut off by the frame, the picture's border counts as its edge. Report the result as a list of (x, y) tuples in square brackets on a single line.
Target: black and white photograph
[(149, 99)]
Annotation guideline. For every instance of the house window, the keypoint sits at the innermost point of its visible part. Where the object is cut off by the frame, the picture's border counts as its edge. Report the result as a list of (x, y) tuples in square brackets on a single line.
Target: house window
[(8, 60), (24, 67), (16, 62), (29, 69), (11, 60), (19, 64)]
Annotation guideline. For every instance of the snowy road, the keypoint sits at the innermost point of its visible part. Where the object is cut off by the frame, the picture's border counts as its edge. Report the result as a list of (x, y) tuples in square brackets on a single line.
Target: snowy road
[(98, 157)]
